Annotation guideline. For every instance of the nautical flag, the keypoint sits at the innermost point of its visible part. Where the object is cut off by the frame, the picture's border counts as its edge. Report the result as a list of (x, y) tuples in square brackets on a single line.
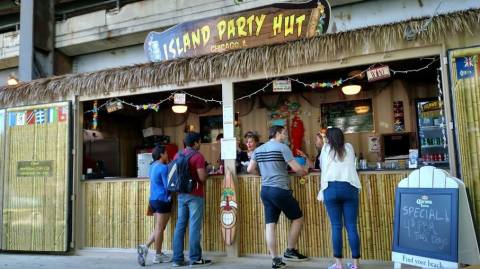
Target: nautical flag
[(465, 67), (21, 118), (30, 117), (40, 116), (52, 115), (12, 119), (62, 113)]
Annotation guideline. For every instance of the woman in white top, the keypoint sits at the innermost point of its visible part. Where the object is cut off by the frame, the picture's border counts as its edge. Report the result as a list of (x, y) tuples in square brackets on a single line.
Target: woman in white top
[(339, 192)]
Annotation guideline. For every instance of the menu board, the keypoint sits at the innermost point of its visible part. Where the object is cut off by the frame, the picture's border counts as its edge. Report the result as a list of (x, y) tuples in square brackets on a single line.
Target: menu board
[(426, 222), (350, 116)]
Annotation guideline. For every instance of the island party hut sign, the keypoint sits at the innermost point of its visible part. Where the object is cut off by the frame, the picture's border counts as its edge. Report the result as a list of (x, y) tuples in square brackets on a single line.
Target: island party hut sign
[(269, 25)]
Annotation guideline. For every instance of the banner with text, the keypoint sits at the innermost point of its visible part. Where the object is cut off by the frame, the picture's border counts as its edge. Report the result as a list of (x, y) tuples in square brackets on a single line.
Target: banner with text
[(269, 25)]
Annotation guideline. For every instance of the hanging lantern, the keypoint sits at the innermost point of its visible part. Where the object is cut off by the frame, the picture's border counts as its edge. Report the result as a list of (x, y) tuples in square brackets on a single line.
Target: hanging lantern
[(179, 100)]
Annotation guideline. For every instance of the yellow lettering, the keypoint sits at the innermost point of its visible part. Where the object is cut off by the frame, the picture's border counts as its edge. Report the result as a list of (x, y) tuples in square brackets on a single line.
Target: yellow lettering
[(205, 34), (221, 27), (179, 48), (165, 51), (259, 22), (277, 24), (241, 21), (289, 23), (299, 22), (250, 24), (186, 42), (171, 49), (196, 39), (231, 29)]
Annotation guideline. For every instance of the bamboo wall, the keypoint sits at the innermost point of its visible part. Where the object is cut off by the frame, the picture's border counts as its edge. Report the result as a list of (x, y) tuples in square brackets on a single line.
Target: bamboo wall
[(115, 216), (2, 149), (35, 208), (375, 218), (467, 106)]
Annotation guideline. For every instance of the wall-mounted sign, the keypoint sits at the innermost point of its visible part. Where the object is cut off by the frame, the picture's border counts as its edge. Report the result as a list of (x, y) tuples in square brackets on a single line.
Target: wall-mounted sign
[(269, 25), (343, 115), (373, 143), (283, 85), (378, 73), (34, 168)]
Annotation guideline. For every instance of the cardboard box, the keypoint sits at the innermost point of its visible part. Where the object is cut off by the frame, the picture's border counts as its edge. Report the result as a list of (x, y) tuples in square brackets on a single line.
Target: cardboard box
[(151, 131)]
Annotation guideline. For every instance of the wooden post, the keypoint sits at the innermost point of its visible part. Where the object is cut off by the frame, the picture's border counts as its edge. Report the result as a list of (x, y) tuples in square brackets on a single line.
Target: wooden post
[(229, 133)]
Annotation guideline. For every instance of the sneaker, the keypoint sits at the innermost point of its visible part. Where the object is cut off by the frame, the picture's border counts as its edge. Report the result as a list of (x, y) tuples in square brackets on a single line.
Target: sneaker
[(334, 266), (142, 251), (278, 263), (178, 264), (351, 266), (200, 263), (161, 258), (294, 255)]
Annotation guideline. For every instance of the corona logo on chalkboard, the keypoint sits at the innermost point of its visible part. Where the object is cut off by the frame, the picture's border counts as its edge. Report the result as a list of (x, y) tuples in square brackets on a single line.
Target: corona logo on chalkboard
[(424, 202), (269, 25)]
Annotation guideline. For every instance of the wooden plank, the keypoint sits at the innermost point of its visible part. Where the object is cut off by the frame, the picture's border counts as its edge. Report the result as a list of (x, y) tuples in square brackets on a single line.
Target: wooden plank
[(426, 177)]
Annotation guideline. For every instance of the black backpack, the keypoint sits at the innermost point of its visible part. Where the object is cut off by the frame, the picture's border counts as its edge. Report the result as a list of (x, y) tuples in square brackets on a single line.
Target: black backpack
[(179, 177)]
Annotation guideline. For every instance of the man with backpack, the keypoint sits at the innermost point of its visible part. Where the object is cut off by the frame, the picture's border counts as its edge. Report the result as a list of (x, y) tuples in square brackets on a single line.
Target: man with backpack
[(190, 203)]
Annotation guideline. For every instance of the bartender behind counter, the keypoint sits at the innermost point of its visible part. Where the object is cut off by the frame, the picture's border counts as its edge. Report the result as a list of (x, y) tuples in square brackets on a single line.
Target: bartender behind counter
[(251, 140)]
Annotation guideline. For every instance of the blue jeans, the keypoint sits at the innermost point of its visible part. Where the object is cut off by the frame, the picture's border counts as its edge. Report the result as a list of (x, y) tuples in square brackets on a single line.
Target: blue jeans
[(341, 200), (190, 210)]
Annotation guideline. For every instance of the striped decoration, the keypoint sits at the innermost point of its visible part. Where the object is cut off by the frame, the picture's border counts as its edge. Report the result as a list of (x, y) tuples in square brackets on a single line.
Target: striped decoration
[(115, 216), (34, 208), (466, 91)]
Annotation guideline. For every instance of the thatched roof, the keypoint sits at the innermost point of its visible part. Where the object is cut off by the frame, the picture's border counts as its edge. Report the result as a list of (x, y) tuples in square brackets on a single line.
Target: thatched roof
[(239, 63)]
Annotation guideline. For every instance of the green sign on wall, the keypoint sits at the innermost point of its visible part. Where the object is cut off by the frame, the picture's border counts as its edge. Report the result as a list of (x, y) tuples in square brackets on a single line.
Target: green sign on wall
[(350, 116), (34, 168)]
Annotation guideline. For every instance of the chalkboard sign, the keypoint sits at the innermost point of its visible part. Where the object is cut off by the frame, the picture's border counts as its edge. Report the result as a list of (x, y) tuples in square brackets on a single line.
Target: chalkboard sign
[(350, 116), (426, 223)]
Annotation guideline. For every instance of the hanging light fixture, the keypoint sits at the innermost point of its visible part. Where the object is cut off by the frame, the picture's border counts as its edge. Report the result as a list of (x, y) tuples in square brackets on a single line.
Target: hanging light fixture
[(179, 100), (179, 108), (12, 79), (351, 89)]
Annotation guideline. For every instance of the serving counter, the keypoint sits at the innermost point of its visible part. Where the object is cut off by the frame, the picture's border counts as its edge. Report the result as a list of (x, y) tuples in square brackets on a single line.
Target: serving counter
[(114, 215)]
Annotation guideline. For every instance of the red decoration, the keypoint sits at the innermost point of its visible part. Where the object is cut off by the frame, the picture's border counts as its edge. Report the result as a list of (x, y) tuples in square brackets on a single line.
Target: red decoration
[(297, 131)]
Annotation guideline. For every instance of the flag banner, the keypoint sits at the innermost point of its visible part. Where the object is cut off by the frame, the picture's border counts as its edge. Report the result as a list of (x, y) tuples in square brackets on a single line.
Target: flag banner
[(21, 117), (466, 66)]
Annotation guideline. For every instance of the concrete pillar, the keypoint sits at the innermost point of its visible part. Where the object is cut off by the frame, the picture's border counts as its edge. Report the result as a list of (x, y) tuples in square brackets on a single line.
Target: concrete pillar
[(229, 132), (37, 32)]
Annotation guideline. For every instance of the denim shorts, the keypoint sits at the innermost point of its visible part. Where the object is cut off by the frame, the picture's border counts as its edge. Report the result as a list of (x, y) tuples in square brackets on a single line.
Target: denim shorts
[(277, 200), (160, 206)]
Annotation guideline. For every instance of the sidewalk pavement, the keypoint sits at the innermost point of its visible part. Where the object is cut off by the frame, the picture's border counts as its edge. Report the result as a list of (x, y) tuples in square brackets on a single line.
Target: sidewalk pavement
[(123, 259)]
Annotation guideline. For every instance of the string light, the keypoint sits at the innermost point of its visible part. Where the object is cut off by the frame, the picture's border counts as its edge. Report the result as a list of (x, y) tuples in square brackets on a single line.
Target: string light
[(313, 85), (440, 101), (254, 93)]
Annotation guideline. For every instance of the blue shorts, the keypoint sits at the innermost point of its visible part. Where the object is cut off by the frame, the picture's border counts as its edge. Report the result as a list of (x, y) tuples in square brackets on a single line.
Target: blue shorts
[(160, 206), (277, 200)]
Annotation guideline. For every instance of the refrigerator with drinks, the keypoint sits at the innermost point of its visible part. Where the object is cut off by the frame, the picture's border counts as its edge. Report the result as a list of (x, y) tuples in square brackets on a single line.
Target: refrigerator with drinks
[(431, 132)]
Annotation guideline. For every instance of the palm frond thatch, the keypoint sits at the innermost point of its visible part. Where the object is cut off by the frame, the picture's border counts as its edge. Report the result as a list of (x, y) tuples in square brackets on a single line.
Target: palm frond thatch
[(240, 63)]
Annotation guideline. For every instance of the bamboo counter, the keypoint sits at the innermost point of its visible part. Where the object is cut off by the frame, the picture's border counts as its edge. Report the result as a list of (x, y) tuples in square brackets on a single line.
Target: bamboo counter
[(115, 215)]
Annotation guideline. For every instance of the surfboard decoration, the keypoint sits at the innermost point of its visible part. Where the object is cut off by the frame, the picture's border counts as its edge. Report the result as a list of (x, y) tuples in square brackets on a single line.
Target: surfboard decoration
[(228, 209)]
